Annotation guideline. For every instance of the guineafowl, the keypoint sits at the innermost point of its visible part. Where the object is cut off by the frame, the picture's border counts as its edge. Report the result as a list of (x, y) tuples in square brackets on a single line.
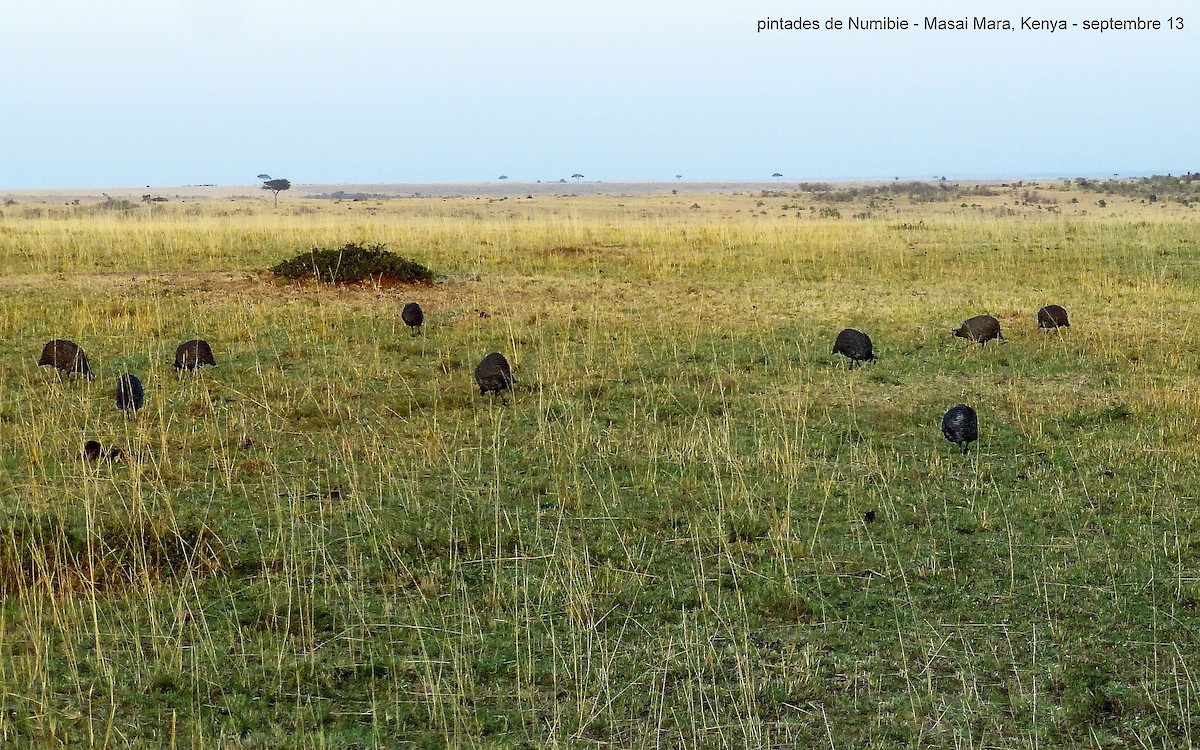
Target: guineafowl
[(413, 316), (1053, 316), (129, 392), (92, 451), (854, 345), (493, 374), (960, 425), (980, 329), (66, 356), (194, 354)]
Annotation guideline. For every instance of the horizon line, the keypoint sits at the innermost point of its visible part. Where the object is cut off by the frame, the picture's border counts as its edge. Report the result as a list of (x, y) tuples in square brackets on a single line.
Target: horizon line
[(497, 182)]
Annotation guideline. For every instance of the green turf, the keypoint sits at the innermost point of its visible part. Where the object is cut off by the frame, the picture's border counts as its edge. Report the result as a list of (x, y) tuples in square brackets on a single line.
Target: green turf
[(330, 540)]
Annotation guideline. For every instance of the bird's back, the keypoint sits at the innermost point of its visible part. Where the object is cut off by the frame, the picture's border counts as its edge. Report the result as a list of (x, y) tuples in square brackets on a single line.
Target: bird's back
[(65, 355), (980, 329), (493, 374), (1053, 316), (960, 424), (130, 394), (854, 344), (412, 315), (193, 354)]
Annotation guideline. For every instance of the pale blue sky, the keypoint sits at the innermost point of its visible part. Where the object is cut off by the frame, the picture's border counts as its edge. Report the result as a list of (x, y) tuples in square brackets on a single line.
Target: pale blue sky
[(166, 92)]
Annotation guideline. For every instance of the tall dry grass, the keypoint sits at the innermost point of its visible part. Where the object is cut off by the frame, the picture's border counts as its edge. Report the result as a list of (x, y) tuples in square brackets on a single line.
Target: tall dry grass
[(330, 540)]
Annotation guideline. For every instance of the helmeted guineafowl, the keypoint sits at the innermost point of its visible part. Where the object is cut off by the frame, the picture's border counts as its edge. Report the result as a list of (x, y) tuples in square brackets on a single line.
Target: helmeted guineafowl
[(66, 356), (129, 392), (92, 451), (493, 374), (855, 345), (413, 316), (192, 355), (960, 425), (980, 329), (1053, 316)]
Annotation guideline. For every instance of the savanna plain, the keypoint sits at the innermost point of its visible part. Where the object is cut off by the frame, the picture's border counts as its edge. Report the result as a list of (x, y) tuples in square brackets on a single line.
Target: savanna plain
[(689, 526)]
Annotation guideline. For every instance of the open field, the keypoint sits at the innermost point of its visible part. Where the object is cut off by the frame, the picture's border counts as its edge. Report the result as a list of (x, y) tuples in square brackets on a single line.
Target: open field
[(330, 540), (495, 189)]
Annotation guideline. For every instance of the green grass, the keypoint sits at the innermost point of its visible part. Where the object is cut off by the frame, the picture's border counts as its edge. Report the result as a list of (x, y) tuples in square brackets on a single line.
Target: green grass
[(331, 541)]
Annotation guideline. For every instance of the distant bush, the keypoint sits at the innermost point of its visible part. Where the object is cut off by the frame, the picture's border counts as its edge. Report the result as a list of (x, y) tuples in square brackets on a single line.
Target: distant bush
[(1185, 188), (915, 190), (116, 204), (981, 191), (342, 195), (353, 264), (1036, 198)]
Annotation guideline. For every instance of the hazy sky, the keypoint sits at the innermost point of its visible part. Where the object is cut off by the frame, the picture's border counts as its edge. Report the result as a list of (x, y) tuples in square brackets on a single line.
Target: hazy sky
[(166, 92)]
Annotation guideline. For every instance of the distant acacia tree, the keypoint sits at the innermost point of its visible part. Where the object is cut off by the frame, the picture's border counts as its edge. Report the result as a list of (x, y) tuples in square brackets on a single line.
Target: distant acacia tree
[(777, 175), (577, 176), (276, 187)]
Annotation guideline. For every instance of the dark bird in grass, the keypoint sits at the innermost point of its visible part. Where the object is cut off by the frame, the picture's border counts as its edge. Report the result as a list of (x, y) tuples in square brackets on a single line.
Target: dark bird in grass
[(493, 374), (1053, 316), (413, 316), (129, 392), (93, 451), (194, 354), (855, 345), (980, 329), (960, 425), (66, 356)]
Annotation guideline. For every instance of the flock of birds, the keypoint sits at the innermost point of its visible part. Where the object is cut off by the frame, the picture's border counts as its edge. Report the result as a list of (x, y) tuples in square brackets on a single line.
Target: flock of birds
[(960, 423), (493, 374)]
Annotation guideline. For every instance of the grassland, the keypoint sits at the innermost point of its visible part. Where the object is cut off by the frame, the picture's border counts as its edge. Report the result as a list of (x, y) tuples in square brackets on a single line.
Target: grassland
[(331, 541)]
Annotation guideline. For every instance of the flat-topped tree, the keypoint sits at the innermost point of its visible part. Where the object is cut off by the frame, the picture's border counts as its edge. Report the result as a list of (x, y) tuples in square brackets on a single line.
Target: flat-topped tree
[(276, 187)]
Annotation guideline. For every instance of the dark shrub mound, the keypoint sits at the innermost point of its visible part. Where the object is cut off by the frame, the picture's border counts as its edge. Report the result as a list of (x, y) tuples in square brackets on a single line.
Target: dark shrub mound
[(353, 264)]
